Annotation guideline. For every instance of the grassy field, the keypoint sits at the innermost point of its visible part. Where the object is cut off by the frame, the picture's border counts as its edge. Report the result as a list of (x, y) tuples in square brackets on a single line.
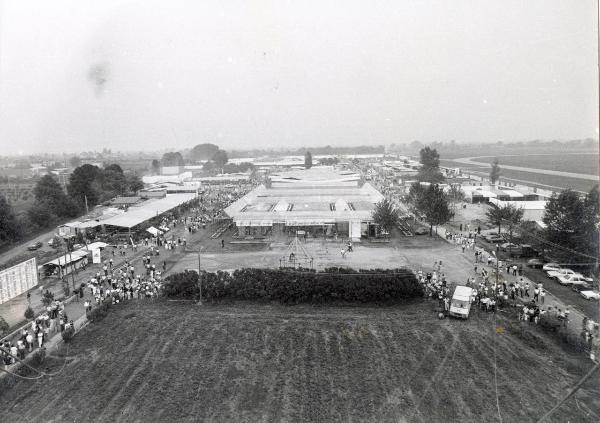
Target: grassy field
[(576, 163), (541, 180), (174, 361)]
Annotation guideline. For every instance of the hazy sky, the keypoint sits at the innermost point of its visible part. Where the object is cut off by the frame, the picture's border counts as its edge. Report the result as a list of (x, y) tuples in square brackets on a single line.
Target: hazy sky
[(82, 75)]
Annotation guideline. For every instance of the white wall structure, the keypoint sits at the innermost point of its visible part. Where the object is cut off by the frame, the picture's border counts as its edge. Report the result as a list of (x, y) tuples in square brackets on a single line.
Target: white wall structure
[(18, 279)]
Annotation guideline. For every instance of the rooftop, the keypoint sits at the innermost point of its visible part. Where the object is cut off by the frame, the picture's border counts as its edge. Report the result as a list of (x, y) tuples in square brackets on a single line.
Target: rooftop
[(306, 197)]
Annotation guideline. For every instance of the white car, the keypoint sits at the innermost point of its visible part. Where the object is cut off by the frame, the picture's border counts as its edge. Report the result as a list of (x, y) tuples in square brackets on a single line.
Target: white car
[(550, 266), (590, 295), (572, 280), (553, 274)]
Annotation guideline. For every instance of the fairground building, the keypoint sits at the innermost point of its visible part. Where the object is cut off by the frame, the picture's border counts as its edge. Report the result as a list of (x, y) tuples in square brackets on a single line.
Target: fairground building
[(317, 202)]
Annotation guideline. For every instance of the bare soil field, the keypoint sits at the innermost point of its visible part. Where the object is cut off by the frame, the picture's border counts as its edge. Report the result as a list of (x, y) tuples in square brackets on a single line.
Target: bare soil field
[(175, 361)]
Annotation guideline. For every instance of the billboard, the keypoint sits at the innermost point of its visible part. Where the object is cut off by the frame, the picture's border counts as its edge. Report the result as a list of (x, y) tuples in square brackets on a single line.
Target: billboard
[(18, 279)]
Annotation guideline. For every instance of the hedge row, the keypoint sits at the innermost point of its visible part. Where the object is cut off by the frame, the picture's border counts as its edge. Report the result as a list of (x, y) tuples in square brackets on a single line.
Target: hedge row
[(293, 287), (99, 312)]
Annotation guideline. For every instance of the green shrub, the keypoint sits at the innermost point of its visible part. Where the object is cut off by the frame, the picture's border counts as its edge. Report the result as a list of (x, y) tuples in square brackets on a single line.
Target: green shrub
[(68, 334), (29, 314), (4, 327), (47, 298), (183, 284), (99, 312), (293, 287), (38, 357)]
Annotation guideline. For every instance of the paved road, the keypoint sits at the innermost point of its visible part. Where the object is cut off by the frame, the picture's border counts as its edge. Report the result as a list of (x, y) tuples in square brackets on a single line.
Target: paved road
[(471, 161)]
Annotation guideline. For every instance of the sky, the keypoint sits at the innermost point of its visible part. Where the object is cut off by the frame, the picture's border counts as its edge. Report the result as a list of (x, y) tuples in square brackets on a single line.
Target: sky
[(128, 75)]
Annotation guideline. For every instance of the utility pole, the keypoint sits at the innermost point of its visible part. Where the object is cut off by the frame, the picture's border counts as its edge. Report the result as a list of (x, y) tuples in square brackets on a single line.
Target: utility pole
[(199, 277), (87, 211)]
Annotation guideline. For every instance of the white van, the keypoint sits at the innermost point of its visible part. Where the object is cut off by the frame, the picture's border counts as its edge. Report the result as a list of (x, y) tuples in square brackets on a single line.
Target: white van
[(460, 305)]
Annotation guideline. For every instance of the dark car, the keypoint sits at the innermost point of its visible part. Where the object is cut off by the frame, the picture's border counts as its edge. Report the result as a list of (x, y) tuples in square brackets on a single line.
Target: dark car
[(535, 263), (421, 231), (35, 246)]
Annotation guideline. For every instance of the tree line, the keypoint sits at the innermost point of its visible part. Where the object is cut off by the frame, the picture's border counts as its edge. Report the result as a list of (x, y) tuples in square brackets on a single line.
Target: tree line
[(88, 186)]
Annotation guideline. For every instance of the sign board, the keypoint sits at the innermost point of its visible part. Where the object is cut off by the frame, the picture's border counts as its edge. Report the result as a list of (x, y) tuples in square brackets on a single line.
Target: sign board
[(18, 279), (96, 257)]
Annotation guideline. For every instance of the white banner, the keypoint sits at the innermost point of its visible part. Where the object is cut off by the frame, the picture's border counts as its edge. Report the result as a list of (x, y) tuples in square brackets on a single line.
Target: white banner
[(96, 257), (18, 279)]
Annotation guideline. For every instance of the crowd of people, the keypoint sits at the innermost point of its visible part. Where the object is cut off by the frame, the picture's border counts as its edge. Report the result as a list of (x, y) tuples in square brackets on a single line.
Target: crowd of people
[(37, 334)]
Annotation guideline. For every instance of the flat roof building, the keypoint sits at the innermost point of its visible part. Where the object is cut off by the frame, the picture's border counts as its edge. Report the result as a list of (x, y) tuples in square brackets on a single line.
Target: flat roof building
[(320, 201)]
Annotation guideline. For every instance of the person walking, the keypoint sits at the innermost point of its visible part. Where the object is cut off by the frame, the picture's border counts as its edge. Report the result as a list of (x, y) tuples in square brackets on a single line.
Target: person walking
[(29, 340)]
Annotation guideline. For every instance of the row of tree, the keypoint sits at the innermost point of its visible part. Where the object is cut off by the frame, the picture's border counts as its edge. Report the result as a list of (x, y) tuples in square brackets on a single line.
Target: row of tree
[(88, 186), (211, 154)]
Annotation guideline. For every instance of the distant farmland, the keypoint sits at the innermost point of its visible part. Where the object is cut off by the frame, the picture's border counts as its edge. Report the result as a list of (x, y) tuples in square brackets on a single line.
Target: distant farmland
[(586, 163), (570, 162)]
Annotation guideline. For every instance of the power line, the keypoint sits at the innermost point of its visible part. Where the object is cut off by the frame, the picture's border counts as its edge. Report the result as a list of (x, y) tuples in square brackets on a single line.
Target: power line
[(570, 394)]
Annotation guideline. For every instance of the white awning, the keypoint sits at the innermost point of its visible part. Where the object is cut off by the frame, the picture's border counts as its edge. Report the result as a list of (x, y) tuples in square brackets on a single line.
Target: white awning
[(154, 231), (68, 258)]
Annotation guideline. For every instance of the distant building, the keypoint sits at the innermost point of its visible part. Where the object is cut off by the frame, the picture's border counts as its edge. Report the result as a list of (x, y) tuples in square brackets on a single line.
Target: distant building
[(319, 201)]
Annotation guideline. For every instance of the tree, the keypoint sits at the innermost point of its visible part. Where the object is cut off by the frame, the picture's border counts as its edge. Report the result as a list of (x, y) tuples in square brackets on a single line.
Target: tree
[(172, 159), (134, 183), (203, 152), (10, 227), (155, 166), (495, 172), (435, 207), (430, 169), (220, 158), (41, 214), (572, 223), (431, 202), (588, 232), (208, 166), (512, 218), (29, 314), (495, 216), (563, 215), (49, 194), (4, 327), (385, 215), (455, 195), (47, 298), (114, 167), (75, 161), (80, 185), (307, 160)]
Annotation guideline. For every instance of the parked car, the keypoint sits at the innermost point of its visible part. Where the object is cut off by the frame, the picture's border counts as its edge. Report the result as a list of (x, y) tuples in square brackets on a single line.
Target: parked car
[(421, 231), (554, 274), (573, 279), (535, 263), (507, 246), (590, 295), (35, 246), (77, 246), (550, 266), (493, 238)]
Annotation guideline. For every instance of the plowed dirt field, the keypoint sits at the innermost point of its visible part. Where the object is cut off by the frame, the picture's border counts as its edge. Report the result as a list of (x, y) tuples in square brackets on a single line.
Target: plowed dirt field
[(175, 361)]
